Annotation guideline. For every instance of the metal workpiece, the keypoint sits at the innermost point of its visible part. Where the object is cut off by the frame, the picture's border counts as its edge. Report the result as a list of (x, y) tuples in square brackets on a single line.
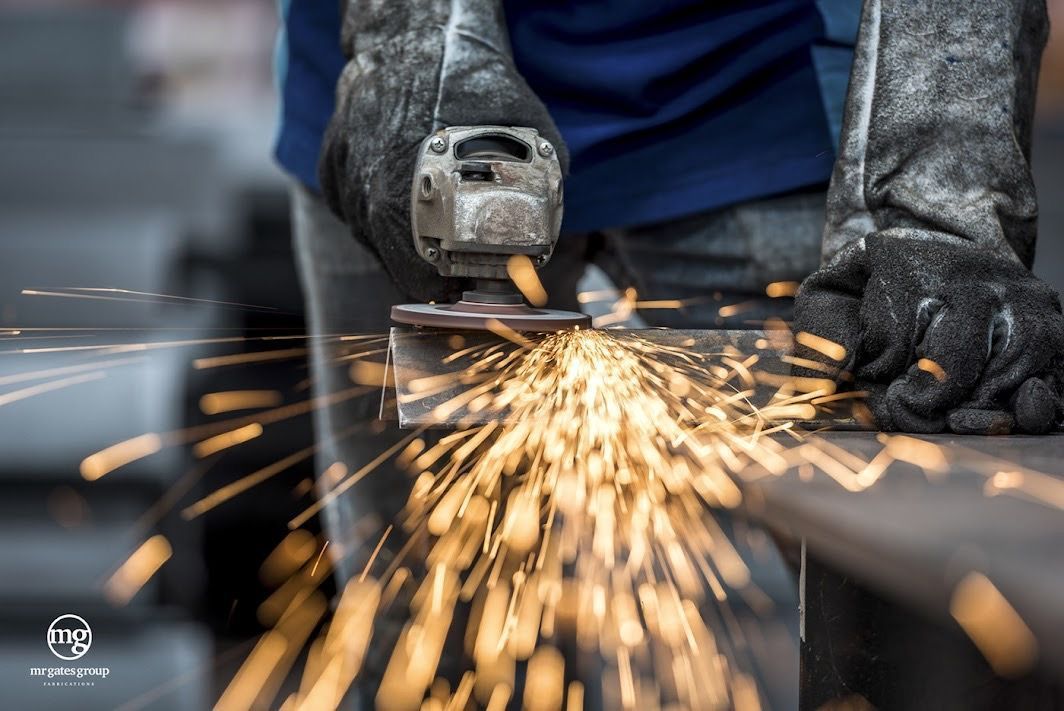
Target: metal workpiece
[(884, 567), (483, 316), (881, 567), (418, 353), (482, 194)]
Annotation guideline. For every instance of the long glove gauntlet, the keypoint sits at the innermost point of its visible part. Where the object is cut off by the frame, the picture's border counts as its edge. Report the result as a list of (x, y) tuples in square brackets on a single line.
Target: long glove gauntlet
[(930, 230)]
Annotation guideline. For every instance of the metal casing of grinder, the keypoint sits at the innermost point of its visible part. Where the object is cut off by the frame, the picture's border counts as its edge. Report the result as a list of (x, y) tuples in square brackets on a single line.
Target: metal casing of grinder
[(482, 194)]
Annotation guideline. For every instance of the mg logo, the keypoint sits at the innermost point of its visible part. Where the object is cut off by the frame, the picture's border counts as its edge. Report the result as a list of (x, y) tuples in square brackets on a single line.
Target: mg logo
[(69, 637)]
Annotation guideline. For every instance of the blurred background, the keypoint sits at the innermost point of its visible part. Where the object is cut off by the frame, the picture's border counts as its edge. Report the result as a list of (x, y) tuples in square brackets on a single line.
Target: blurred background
[(135, 142)]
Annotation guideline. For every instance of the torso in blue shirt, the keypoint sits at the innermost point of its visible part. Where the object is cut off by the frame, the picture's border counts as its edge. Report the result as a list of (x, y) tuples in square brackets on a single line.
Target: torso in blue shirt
[(668, 108)]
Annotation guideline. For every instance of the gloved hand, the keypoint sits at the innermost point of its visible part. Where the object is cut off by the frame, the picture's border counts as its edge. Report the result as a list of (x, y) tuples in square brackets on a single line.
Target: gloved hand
[(938, 333), (931, 220), (415, 67)]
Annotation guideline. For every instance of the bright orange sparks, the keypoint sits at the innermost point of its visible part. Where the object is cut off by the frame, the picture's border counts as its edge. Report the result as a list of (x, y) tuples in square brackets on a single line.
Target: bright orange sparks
[(137, 570), (929, 366), (831, 349), (213, 445), (228, 401), (994, 625), (778, 289), (118, 455), (523, 274)]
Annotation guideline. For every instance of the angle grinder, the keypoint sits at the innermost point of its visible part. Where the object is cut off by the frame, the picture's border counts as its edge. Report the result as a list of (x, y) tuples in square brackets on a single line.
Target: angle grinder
[(480, 196)]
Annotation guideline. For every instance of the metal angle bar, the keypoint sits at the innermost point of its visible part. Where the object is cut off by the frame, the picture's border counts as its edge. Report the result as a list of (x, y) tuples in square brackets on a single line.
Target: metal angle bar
[(422, 358)]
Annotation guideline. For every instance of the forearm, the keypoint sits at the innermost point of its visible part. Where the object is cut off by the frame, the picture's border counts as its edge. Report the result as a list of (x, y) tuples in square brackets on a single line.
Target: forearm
[(937, 129)]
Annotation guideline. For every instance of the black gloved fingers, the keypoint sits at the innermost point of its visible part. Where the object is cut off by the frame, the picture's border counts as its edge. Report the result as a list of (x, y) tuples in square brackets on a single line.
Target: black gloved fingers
[(828, 308), (1035, 408), (977, 421), (895, 318), (890, 336), (1035, 405), (415, 277), (827, 333), (1032, 341), (1003, 374), (874, 409), (951, 356)]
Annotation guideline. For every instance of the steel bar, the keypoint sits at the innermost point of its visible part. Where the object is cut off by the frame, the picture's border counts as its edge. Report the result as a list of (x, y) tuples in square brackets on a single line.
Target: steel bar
[(419, 353)]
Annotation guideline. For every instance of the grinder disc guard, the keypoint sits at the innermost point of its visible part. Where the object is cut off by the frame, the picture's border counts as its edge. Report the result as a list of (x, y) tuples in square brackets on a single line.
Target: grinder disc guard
[(475, 316)]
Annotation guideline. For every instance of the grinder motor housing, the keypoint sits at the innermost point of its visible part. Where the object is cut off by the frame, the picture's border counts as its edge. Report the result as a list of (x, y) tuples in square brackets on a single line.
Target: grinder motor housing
[(482, 194)]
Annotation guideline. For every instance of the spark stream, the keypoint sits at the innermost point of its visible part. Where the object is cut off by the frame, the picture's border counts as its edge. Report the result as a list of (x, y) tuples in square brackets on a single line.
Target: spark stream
[(580, 513)]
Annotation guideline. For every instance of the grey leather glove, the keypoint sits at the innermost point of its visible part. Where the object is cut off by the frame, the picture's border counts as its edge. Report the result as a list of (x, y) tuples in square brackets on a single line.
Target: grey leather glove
[(931, 224), (415, 67)]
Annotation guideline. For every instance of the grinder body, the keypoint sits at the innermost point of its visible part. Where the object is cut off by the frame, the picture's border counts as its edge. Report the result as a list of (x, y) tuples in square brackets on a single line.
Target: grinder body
[(480, 196)]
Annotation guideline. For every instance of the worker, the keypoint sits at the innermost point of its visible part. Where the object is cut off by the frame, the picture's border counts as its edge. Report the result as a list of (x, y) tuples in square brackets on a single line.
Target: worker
[(698, 140), (702, 142)]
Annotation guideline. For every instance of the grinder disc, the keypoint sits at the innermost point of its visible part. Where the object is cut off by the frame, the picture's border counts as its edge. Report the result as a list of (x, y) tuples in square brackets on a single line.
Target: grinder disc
[(468, 315)]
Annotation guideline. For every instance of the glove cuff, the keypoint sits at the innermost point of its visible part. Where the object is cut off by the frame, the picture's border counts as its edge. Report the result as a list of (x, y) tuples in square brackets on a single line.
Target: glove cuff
[(937, 128), (368, 24)]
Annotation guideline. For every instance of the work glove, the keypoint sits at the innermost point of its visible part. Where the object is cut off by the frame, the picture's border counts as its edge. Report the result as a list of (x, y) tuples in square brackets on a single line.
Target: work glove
[(939, 333), (930, 229), (415, 67)]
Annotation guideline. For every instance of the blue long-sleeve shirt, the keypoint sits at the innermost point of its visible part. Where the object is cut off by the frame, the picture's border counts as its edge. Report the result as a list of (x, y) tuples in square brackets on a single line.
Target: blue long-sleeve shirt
[(668, 108)]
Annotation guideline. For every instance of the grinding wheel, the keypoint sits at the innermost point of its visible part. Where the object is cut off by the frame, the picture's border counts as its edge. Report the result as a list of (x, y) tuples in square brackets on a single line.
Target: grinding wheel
[(476, 316)]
